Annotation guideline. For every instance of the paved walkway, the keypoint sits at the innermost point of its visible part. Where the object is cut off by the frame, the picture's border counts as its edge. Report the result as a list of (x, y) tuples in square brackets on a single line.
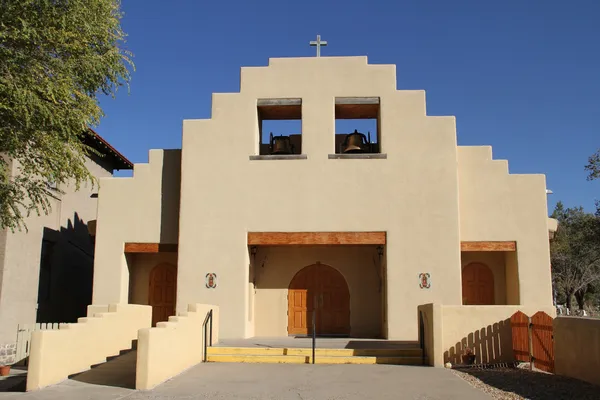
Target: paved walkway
[(281, 382)]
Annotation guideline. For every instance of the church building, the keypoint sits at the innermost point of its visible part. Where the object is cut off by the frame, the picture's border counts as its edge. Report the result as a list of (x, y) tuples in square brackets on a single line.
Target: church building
[(360, 226)]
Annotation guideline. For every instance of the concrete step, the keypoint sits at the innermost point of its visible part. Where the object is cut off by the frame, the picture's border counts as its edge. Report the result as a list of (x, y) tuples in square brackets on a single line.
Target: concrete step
[(300, 359), (319, 352)]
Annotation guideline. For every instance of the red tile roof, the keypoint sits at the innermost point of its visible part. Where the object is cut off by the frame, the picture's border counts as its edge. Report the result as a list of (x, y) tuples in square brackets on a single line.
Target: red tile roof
[(118, 160)]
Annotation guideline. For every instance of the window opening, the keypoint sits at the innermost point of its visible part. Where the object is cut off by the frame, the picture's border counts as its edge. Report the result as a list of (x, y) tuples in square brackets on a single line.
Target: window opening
[(280, 126), (357, 125)]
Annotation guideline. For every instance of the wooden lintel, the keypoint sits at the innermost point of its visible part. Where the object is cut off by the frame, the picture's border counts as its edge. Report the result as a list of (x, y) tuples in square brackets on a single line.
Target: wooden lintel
[(279, 102), (357, 100), (488, 246), (150, 247), (315, 238)]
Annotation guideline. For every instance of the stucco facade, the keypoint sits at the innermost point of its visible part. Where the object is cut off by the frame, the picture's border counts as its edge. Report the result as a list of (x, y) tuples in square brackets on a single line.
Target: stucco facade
[(46, 270), (197, 206)]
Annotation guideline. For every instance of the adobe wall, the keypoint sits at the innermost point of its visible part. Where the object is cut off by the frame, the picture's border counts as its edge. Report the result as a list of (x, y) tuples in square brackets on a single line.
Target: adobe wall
[(143, 208), (496, 205), (412, 194), (71, 260)]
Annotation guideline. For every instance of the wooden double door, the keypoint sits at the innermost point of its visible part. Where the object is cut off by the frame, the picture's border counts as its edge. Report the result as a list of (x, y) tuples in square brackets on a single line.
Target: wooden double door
[(322, 289)]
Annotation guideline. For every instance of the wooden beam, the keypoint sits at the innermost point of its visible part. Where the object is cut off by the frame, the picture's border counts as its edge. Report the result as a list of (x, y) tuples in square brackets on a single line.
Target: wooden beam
[(150, 247), (279, 112), (356, 111), (279, 102), (357, 100), (488, 246), (315, 238)]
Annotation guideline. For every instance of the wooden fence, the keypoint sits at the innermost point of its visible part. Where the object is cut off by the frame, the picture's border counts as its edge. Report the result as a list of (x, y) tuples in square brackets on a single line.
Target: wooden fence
[(24, 338), (533, 340)]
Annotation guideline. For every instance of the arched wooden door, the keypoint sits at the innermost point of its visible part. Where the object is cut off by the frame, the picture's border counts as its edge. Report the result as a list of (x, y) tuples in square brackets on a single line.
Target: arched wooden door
[(328, 287), (163, 292), (477, 285)]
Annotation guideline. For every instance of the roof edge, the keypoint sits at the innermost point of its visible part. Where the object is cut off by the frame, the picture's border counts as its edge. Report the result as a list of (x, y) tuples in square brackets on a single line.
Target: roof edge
[(100, 144)]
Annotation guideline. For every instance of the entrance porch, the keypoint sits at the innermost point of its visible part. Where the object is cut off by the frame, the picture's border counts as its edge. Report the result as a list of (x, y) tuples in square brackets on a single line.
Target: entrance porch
[(153, 280), (343, 285)]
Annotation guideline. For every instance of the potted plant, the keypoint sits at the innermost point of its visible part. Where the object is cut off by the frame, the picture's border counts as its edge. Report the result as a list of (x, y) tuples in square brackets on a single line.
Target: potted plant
[(4, 370), (468, 356)]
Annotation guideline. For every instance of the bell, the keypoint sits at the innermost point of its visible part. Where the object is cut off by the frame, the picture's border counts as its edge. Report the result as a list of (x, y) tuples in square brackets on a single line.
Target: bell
[(280, 144), (355, 142)]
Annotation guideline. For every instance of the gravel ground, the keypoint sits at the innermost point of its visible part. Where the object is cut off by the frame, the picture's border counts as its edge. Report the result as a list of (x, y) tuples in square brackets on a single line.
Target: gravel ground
[(515, 383)]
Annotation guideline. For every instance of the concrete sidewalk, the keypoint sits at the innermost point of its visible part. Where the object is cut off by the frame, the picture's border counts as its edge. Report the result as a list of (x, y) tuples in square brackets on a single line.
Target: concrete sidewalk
[(281, 382)]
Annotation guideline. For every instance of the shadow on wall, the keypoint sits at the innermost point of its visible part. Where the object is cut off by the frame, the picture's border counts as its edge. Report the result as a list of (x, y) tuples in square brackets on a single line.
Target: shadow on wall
[(492, 344), (66, 272), (170, 195)]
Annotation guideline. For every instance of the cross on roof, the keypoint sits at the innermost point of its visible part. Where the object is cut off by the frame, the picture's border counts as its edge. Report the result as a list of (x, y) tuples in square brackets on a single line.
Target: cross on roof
[(318, 43)]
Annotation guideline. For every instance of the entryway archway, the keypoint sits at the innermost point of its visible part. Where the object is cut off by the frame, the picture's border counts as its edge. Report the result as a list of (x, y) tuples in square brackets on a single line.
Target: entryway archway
[(477, 284), (163, 291), (326, 286)]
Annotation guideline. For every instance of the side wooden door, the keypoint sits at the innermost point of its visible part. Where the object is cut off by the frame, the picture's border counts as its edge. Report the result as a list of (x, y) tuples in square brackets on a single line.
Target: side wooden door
[(163, 291), (477, 285)]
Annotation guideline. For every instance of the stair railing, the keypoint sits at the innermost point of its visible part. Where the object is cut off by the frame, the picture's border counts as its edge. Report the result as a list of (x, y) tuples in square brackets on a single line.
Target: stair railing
[(207, 324), (314, 329)]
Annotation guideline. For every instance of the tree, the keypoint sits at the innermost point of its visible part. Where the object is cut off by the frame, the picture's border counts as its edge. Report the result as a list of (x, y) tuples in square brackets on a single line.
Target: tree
[(575, 252), (593, 166), (56, 58)]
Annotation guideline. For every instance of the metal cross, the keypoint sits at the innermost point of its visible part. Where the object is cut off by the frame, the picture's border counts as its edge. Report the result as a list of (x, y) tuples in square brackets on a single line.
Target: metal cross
[(318, 43)]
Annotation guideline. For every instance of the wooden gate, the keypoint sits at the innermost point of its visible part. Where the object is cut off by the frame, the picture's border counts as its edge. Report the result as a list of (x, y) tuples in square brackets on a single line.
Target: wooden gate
[(533, 339), (519, 324), (542, 341), (24, 338)]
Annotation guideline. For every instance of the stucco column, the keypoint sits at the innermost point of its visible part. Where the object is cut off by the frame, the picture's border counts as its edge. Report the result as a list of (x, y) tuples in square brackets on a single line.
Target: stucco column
[(111, 274), (318, 126)]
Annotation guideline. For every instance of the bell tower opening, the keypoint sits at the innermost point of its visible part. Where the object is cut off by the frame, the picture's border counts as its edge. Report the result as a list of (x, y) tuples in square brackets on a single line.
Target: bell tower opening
[(279, 126), (357, 125)]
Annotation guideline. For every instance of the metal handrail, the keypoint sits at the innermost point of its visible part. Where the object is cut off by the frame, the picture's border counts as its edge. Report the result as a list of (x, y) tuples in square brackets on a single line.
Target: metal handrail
[(208, 320), (314, 323), (314, 329)]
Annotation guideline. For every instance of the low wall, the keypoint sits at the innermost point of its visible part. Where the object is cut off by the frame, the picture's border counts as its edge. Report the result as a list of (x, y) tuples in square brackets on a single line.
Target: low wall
[(485, 329), (56, 354), (430, 333), (173, 346), (577, 348)]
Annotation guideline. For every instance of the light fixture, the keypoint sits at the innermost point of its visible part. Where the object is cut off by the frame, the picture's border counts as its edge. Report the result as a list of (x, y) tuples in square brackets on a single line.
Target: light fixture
[(548, 191)]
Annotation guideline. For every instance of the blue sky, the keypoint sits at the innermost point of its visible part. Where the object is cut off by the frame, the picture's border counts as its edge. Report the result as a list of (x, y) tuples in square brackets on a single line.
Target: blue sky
[(521, 76)]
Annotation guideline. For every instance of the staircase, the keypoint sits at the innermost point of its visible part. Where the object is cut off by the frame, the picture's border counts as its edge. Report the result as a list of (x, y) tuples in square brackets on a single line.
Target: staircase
[(399, 356)]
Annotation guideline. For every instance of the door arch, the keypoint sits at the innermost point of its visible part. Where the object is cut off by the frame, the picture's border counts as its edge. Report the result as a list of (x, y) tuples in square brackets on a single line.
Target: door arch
[(163, 291), (477, 284), (328, 287)]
